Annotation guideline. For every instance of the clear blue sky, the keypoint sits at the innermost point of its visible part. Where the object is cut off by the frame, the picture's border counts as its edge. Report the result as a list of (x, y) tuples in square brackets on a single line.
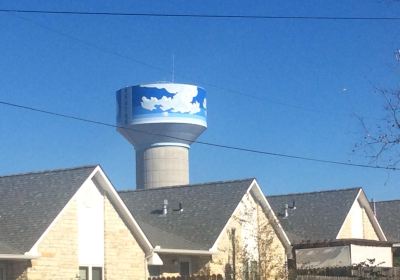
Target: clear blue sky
[(296, 72)]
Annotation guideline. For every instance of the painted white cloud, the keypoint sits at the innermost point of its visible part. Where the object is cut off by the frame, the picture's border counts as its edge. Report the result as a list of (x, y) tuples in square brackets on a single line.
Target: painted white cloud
[(181, 102), (205, 103)]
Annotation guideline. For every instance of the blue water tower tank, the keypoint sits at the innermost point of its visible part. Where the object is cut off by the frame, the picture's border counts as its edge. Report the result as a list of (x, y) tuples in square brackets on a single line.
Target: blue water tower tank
[(161, 120)]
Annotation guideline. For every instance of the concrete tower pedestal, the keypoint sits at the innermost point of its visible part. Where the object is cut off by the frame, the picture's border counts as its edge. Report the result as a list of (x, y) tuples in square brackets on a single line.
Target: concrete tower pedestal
[(162, 166)]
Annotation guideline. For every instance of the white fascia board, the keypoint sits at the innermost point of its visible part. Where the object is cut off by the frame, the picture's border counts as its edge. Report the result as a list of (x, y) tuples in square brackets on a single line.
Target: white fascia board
[(364, 202), (18, 257), (33, 250), (116, 199), (258, 193), (396, 245), (184, 252), (214, 248), (348, 213)]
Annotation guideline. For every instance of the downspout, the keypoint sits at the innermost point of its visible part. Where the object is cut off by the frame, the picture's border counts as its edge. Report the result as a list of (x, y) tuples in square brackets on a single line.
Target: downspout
[(146, 271)]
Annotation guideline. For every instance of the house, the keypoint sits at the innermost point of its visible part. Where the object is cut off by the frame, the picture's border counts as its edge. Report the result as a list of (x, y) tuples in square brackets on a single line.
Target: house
[(331, 228), (388, 215), (225, 228), (72, 224), (67, 224)]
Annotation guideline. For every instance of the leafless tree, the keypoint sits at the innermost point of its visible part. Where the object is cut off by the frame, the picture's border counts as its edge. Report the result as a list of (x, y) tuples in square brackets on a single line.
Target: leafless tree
[(381, 138)]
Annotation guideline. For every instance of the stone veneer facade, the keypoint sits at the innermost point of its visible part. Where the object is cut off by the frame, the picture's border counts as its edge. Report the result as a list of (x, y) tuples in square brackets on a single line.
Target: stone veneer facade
[(124, 259), (58, 250), (259, 234)]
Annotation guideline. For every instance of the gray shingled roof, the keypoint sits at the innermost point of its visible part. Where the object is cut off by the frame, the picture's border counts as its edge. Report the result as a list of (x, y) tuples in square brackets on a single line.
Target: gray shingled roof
[(388, 215), (318, 215), (30, 202), (207, 208)]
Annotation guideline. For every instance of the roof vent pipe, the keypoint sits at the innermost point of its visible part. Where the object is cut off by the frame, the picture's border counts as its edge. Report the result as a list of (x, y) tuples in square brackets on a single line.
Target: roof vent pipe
[(165, 207), (286, 214)]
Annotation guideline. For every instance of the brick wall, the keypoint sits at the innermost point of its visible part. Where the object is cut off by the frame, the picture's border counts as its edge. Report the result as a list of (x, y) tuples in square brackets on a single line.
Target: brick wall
[(124, 259)]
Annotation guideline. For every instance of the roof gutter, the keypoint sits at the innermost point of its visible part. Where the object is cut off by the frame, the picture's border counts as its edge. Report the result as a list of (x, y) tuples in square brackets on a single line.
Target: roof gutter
[(183, 252), (17, 257)]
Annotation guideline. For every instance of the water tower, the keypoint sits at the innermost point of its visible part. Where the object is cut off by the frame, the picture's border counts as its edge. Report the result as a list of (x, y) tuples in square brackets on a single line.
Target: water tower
[(161, 120)]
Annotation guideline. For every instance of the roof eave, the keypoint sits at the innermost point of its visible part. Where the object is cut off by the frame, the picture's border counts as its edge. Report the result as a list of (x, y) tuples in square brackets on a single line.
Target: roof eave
[(13, 257), (127, 215), (183, 252), (271, 214)]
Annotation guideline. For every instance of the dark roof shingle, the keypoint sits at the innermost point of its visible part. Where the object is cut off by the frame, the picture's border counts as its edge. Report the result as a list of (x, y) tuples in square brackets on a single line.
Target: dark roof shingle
[(388, 215), (318, 215), (30, 202), (206, 210)]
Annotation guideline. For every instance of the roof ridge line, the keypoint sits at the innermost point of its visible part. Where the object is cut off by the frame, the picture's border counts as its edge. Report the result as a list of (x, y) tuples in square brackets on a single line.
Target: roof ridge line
[(312, 192), (392, 200), (186, 186), (50, 170)]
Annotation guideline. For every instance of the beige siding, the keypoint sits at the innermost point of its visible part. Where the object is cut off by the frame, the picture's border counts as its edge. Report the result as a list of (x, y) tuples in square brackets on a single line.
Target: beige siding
[(124, 258), (357, 224), (369, 231)]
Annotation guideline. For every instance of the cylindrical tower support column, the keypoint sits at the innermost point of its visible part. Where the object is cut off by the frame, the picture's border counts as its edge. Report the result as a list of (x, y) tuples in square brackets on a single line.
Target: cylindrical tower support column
[(162, 166)]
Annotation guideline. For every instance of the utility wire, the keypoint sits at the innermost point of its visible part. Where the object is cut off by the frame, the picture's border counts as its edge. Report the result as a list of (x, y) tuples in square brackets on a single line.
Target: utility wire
[(164, 70), (236, 148), (212, 16)]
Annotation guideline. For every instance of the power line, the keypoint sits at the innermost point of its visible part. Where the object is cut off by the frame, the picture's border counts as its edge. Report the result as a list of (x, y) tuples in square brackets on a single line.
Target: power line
[(236, 148), (204, 16), (160, 69)]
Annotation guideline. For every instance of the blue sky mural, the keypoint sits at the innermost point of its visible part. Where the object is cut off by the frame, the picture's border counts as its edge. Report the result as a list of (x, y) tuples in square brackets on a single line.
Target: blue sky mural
[(169, 100)]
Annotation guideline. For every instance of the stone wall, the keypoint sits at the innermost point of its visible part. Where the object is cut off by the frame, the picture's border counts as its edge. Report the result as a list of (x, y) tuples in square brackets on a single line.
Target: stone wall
[(58, 249), (124, 259), (249, 237)]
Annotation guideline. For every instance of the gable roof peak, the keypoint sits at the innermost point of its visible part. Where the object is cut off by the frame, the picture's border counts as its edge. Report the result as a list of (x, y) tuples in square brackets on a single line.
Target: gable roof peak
[(193, 228), (388, 201)]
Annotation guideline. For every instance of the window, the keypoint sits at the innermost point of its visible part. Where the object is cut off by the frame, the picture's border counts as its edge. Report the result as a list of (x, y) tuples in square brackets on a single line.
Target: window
[(184, 268), (89, 273), (97, 273), (154, 270), (83, 273), (2, 273)]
